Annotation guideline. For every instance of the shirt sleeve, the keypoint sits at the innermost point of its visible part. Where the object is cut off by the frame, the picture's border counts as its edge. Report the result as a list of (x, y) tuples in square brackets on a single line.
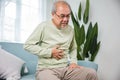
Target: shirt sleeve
[(73, 51), (32, 44)]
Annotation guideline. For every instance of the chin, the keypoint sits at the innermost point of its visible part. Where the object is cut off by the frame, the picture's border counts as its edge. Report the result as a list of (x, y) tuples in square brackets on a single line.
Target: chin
[(63, 26)]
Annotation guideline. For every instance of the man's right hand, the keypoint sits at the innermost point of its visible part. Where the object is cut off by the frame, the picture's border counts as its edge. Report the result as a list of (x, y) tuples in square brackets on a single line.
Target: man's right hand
[(57, 53)]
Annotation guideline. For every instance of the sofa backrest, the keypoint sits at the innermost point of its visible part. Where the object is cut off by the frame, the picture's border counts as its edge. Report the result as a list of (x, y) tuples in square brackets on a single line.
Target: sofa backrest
[(18, 50)]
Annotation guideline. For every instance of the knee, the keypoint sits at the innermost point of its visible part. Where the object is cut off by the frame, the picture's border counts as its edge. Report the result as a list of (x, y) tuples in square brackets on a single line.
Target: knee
[(92, 73)]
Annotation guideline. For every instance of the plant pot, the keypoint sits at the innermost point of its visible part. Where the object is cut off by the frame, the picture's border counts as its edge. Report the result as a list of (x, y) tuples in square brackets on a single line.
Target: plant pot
[(88, 64)]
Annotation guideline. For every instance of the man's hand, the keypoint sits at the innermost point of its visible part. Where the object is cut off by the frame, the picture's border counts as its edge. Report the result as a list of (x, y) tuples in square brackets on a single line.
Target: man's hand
[(74, 65), (57, 53)]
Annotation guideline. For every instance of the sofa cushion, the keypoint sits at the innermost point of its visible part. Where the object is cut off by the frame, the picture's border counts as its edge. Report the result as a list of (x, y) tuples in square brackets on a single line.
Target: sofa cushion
[(10, 65), (18, 50), (28, 77), (88, 64)]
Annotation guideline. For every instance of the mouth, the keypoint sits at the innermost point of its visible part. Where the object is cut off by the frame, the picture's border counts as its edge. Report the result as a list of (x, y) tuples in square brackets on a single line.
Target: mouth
[(64, 23)]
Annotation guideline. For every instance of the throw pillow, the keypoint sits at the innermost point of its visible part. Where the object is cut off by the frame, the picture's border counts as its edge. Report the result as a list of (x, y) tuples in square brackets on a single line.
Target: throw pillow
[(10, 65)]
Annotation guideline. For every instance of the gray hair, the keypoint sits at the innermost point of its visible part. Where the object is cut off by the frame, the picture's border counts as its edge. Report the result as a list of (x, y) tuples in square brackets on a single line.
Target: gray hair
[(54, 7)]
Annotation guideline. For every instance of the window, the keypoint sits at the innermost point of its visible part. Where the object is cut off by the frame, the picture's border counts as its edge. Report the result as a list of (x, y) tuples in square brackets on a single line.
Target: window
[(18, 18)]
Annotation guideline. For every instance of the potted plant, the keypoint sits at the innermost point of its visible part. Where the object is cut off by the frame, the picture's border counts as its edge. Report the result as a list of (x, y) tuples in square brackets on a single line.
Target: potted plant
[(87, 43)]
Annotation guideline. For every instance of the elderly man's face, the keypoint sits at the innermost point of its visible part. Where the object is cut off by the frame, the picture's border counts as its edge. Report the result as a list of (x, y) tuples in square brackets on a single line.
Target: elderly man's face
[(61, 16)]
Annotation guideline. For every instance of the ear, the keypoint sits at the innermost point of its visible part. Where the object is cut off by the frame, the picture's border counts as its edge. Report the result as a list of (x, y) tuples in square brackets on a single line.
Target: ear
[(53, 14)]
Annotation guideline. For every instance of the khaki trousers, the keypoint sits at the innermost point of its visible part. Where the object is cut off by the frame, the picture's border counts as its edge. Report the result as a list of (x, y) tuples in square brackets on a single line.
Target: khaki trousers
[(66, 74)]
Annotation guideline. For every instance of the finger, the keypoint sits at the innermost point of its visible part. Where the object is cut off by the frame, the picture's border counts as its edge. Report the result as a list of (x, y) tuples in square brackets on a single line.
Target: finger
[(61, 54), (70, 67), (79, 67), (57, 58), (61, 51)]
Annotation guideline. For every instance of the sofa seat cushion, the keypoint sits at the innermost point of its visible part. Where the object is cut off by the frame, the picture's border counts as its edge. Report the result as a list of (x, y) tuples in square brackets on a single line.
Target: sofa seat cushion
[(28, 77)]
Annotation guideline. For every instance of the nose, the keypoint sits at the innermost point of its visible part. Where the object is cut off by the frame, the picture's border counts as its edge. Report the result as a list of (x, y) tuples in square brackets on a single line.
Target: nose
[(65, 19)]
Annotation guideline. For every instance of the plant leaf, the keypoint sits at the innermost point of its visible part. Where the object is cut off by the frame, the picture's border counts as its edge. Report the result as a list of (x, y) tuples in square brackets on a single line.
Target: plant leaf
[(86, 12), (82, 35), (89, 30), (79, 11), (96, 52), (79, 57), (76, 29)]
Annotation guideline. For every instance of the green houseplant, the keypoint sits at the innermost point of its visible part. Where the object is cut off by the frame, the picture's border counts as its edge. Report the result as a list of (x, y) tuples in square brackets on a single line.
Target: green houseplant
[(87, 43)]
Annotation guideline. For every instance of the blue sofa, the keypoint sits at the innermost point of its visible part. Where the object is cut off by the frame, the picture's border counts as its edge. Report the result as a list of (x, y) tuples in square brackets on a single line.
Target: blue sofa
[(31, 60)]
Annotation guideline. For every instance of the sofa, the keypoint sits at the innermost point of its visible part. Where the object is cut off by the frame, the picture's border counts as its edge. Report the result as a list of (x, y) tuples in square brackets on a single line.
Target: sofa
[(31, 60)]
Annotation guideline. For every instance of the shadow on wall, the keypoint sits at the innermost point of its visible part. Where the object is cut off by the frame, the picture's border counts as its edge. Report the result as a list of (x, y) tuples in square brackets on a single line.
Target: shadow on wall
[(118, 2), (118, 74)]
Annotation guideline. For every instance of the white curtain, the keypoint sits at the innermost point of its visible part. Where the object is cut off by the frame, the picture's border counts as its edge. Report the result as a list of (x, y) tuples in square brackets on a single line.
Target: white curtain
[(18, 18)]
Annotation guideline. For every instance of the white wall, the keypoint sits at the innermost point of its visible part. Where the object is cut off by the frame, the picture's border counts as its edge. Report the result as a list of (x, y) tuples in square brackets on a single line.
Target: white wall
[(107, 14)]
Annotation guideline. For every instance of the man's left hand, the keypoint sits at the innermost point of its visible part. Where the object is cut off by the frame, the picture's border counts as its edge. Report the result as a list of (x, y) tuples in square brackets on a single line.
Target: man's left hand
[(74, 65)]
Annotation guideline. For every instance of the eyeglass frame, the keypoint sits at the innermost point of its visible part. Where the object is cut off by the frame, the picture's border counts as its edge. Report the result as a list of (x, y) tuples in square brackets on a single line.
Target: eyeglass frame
[(62, 16)]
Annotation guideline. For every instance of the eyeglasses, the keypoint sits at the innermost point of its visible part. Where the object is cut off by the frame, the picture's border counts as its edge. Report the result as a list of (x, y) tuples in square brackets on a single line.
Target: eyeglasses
[(62, 16)]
